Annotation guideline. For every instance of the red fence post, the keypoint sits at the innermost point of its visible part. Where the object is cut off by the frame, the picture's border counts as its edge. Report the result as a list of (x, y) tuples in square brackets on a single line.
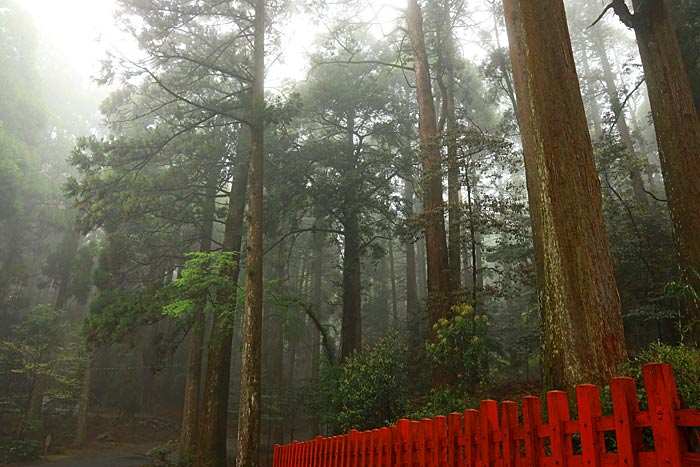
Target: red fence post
[(471, 430), (589, 414), (625, 408), (455, 434), (532, 421), (417, 445), (406, 443), (509, 422), (353, 448), (429, 452), (662, 396), (294, 461), (385, 456), (396, 455), (344, 450), (488, 414), (558, 415), (318, 452), (440, 441)]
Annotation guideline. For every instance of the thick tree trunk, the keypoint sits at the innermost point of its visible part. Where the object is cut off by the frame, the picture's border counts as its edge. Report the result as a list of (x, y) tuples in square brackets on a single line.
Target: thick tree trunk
[(678, 137), (453, 182), (193, 381), (84, 402), (351, 330), (351, 333), (412, 305), (275, 346), (211, 444), (433, 209), (582, 334), (316, 304), (635, 175), (248, 443), (392, 281), (687, 40)]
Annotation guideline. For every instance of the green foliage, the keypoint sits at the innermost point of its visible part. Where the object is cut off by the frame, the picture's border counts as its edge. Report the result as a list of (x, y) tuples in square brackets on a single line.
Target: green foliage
[(685, 361), (440, 402), (461, 346), (371, 389), (15, 450), (205, 279), (116, 315), (160, 454), (42, 346)]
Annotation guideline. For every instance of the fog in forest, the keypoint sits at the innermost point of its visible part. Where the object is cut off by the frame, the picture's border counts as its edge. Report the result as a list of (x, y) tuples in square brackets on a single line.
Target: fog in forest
[(226, 226)]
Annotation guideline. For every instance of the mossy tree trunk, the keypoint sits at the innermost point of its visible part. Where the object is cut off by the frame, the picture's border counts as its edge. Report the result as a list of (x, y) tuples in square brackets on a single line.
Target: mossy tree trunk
[(248, 442), (433, 207), (211, 443), (581, 322)]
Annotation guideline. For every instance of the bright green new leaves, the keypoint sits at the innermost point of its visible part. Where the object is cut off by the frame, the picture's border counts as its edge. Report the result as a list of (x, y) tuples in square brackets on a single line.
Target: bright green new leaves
[(206, 280)]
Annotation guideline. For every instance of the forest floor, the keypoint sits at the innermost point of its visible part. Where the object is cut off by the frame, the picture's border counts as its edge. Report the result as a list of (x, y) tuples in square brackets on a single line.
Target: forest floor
[(106, 456), (113, 442)]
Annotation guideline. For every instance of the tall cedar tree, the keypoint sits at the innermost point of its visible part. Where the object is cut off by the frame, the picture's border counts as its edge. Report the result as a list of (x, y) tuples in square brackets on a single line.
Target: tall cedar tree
[(581, 321), (248, 442), (435, 236), (190, 407), (211, 444), (677, 135)]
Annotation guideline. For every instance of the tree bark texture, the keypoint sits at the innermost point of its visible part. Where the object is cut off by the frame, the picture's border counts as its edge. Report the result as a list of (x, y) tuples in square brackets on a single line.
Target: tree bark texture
[(678, 137), (84, 403), (412, 305), (582, 334), (211, 444), (193, 381), (351, 330), (687, 40), (248, 442), (274, 331), (433, 209), (447, 90)]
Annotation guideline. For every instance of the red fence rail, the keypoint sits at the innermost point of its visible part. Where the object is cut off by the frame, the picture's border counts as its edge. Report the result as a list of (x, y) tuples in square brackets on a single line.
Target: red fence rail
[(490, 437)]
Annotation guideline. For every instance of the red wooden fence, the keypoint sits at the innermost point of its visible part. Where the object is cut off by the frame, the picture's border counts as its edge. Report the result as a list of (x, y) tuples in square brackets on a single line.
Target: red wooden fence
[(491, 438)]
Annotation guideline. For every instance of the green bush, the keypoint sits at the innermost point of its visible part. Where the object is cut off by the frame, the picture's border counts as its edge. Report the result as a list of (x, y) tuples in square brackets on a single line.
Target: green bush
[(461, 347), (371, 389), (685, 361), (441, 402), (14, 450)]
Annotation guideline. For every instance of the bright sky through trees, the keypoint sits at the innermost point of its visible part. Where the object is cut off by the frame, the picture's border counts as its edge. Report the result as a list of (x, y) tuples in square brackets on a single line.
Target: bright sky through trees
[(83, 30)]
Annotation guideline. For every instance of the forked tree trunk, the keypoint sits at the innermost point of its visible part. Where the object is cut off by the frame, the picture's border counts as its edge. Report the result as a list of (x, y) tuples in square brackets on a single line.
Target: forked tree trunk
[(582, 334), (677, 134), (248, 443)]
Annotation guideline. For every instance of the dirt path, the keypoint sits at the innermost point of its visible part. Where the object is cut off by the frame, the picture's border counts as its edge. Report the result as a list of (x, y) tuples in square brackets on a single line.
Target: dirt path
[(122, 456)]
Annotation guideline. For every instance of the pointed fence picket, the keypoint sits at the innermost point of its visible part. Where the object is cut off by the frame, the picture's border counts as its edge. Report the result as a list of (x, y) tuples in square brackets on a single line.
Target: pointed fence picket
[(495, 435)]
